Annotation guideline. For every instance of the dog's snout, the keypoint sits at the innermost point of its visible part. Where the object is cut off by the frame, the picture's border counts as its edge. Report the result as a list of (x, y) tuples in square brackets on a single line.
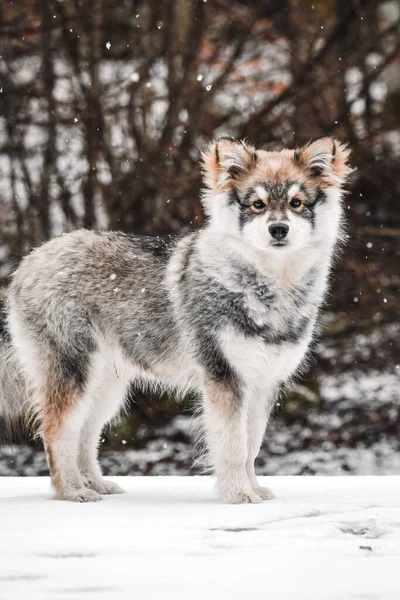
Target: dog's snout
[(278, 230)]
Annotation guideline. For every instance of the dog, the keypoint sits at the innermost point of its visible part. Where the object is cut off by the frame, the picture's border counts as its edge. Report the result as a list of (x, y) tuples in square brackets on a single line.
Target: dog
[(228, 311)]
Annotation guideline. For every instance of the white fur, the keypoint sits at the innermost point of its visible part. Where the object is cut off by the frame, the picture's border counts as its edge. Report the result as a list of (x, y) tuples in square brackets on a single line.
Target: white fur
[(293, 190), (273, 164), (261, 192), (261, 372), (217, 207)]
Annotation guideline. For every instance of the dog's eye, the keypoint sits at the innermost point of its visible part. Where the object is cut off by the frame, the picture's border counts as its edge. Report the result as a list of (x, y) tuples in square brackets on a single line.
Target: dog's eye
[(295, 202), (258, 205)]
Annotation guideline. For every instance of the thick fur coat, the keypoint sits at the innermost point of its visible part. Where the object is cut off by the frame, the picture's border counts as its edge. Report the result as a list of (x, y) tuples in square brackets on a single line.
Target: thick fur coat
[(228, 311)]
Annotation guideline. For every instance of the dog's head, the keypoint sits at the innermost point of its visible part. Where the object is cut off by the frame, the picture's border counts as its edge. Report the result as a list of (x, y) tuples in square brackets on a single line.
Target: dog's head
[(277, 201)]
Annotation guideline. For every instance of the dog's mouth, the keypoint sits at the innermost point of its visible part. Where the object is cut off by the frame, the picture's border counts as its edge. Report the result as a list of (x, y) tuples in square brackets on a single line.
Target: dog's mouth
[(278, 244)]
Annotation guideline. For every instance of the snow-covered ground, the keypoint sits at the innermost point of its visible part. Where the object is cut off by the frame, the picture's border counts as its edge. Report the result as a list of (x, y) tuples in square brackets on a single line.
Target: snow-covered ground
[(168, 537)]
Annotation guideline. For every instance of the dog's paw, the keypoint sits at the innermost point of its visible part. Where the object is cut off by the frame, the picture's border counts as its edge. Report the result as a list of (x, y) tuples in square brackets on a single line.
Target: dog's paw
[(264, 493), (106, 487), (81, 495), (241, 497), (103, 486)]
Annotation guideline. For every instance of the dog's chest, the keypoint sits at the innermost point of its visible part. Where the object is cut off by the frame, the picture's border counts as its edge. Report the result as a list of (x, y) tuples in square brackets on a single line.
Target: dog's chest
[(262, 365), (275, 312)]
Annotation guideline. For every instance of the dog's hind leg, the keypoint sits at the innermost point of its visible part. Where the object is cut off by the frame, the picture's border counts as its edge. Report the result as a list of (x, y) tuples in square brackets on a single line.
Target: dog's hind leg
[(108, 392), (57, 379), (63, 414)]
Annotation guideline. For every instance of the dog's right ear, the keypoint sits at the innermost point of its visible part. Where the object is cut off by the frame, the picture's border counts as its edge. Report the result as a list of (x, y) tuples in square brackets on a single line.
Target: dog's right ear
[(226, 161)]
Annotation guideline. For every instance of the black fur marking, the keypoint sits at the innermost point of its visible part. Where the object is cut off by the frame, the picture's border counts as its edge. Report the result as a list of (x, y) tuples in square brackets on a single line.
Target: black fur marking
[(235, 171), (214, 362), (3, 323), (297, 157), (246, 199), (159, 247), (292, 335), (311, 204), (319, 198), (223, 307), (5, 337), (313, 201), (245, 214), (70, 362), (316, 171), (234, 198), (311, 216), (204, 322), (74, 367), (189, 251)]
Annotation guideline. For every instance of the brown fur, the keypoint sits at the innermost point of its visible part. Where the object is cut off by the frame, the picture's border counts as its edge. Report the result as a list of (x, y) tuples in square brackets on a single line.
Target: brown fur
[(287, 165), (214, 157), (56, 405), (222, 398), (55, 473)]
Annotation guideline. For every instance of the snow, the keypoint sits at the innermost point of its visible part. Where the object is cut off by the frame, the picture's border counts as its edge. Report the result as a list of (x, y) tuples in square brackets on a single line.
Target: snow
[(168, 537)]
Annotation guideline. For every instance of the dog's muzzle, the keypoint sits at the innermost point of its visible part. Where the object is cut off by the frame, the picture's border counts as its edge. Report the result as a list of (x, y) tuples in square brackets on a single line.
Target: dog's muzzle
[(278, 231)]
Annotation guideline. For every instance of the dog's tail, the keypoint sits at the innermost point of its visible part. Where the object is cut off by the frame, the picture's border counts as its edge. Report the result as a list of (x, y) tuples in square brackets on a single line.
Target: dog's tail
[(13, 389)]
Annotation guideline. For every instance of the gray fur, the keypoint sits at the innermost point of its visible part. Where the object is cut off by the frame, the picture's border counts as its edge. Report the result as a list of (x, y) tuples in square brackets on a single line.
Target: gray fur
[(13, 392)]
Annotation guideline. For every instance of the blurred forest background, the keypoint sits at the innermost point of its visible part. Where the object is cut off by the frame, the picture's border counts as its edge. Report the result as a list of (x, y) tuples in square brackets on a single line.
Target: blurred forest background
[(104, 108)]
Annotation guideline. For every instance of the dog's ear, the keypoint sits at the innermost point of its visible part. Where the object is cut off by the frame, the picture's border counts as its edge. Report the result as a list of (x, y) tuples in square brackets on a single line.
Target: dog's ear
[(226, 161), (325, 158)]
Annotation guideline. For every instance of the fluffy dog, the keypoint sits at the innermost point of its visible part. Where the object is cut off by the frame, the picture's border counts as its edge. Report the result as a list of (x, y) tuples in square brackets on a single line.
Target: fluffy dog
[(228, 311)]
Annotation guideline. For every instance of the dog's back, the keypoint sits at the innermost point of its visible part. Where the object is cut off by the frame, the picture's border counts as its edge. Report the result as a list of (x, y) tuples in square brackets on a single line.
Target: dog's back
[(84, 288)]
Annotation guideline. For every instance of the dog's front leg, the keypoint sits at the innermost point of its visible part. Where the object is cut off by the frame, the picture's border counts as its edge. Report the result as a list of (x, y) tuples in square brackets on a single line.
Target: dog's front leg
[(226, 437), (259, 409)]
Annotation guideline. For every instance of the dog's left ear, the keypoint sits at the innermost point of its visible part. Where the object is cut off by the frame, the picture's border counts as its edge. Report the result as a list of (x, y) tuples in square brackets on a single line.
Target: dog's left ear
[(226, 161), (325, 158)]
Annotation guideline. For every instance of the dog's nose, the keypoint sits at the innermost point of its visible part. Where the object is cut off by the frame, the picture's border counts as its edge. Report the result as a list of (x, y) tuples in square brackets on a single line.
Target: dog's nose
[(278, 230)]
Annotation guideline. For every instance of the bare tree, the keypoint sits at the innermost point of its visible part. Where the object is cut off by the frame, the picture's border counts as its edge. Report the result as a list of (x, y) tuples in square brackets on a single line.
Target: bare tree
[(104, 106)]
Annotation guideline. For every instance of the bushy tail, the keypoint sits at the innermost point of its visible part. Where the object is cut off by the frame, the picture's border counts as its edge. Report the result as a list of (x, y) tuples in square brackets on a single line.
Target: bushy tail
[(13, 391)]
